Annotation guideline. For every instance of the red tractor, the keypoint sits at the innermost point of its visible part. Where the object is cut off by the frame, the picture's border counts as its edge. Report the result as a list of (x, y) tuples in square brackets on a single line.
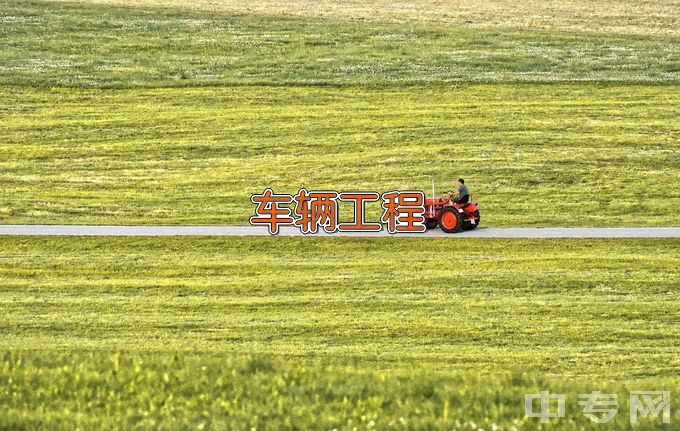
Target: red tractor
[(450, 216)]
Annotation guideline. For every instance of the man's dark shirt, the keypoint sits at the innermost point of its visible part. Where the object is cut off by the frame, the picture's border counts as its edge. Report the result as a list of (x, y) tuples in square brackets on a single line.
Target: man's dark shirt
[(462, 191)]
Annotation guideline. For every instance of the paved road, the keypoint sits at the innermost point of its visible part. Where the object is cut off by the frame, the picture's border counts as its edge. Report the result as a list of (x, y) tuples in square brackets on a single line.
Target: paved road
[(511, 232)]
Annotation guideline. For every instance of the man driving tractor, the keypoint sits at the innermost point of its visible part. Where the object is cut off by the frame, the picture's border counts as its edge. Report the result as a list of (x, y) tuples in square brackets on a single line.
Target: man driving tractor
[(452, 212), (462, 195)]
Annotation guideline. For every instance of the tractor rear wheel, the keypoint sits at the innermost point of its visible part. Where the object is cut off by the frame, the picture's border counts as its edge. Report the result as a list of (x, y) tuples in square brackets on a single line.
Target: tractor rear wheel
[(469, 225), (450, 220), (431, 223)]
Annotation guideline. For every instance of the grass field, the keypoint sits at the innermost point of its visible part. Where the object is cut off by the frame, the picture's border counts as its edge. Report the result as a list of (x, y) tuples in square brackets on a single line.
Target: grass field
[(388, 327), (294, 100), (628, 17), (558, 113), (47, 44), (533, 155)]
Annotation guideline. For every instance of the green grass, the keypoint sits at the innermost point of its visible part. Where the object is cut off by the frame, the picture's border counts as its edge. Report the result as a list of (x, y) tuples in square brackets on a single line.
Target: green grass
[(532, 155), (345, 297), (625, 17), (47, 44), (388, 299), (290, 102), (213, 392), (375, 321), (556, 112)]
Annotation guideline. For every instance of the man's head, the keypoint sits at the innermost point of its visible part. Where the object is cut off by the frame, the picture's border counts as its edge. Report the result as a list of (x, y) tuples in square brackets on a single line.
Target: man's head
[(461, 181)]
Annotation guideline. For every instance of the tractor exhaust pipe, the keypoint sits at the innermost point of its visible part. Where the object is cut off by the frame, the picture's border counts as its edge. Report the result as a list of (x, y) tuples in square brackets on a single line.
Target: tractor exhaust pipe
[(432, 206)]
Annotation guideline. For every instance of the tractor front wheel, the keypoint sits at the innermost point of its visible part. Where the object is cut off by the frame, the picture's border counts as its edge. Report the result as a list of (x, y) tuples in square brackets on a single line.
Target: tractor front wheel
[(450, 220)]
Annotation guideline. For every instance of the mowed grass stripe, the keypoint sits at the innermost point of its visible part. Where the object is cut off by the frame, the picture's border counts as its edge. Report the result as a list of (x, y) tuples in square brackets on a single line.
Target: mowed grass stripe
[(569, 307), (542, 155)]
